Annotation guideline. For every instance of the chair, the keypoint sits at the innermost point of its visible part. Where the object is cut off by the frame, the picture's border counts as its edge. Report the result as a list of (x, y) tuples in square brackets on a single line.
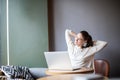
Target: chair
[(102, 67)]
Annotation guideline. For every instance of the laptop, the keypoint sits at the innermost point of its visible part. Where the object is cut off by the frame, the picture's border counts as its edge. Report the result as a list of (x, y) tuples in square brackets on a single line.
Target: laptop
[(58, 60)]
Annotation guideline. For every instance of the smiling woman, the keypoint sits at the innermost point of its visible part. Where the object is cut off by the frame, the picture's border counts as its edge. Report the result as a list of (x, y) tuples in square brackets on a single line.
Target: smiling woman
[(82, 51), (101, 18)]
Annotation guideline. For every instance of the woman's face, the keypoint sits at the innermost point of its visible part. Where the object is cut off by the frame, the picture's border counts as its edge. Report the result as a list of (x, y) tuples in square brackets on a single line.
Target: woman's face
[(79, 40)]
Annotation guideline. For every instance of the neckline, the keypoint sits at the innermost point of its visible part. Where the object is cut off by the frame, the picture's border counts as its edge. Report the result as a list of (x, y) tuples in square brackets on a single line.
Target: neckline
[(81, 49)]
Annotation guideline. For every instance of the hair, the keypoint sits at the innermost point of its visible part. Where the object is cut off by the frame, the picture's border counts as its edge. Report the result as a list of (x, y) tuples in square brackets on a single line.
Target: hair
[(88, 38)]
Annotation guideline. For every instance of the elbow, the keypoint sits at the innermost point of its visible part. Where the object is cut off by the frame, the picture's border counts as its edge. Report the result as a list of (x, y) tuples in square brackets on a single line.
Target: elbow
[(105, 44), (67, 31), (101, 43)]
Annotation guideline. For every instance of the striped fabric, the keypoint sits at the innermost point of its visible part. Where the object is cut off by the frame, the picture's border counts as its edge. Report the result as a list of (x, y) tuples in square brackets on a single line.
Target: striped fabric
[(14, 72), (3, 78)]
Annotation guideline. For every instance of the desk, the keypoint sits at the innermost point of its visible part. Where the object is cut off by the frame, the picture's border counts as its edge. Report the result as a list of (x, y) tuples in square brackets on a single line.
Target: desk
[(80, 71), (71, 77)]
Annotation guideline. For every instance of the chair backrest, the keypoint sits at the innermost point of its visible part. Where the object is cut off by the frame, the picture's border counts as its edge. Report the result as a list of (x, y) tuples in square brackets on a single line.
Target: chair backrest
[(102, 67)]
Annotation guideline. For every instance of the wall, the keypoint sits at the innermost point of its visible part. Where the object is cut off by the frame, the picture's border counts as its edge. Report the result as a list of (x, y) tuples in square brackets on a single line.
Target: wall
[(3, 45), (101, 18), (28, 33)]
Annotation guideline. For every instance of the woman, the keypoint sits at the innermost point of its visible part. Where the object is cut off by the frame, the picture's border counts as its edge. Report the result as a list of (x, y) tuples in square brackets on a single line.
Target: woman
[(83, 49)]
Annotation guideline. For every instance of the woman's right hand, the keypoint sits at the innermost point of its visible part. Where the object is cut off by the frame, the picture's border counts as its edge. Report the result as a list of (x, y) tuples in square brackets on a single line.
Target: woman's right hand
[(73, 34)]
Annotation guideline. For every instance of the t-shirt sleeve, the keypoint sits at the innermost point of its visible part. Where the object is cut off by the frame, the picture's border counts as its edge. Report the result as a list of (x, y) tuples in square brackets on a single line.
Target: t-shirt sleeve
[(98, 45)]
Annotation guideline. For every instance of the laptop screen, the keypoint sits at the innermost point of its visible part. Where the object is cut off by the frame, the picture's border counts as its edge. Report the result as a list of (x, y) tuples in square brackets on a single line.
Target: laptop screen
[(58, 60)]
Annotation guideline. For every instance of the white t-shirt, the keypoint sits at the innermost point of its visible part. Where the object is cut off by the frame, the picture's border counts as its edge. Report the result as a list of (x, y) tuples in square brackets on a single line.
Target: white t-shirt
[(82, 57)]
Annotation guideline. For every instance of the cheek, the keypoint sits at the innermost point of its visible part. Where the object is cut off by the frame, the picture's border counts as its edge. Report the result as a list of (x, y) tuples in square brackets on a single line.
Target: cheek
[(80, 42)]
